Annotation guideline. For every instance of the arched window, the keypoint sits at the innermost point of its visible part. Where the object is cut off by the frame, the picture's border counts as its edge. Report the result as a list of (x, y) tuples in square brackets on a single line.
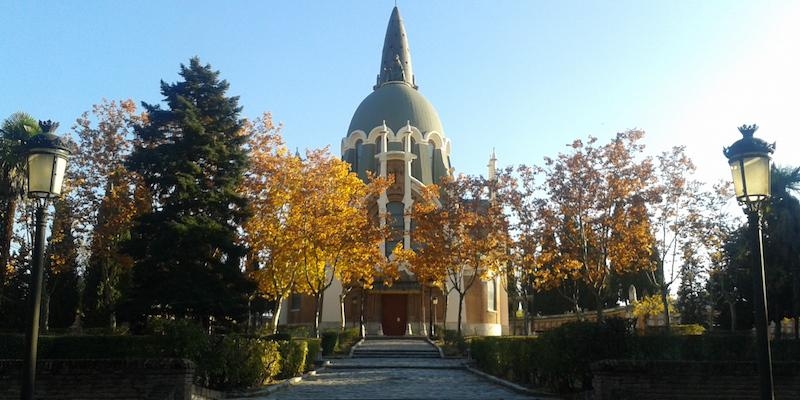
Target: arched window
[(396, 224)]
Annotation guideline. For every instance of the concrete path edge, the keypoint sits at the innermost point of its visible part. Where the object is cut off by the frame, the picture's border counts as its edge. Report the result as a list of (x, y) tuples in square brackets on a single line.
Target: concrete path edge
[(511, 385)]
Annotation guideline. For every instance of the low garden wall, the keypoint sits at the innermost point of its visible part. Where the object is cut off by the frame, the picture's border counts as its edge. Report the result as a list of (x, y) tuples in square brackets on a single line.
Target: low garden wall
[(156, 379), (629, 379)]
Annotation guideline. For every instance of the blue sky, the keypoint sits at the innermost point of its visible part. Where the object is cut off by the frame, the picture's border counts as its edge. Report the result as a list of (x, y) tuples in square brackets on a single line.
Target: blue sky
[(524, 77)]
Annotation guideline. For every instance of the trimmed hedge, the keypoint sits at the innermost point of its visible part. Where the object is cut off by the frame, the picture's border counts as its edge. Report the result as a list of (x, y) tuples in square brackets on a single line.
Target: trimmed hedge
[(294, 355), (314, 348), (329, 340), (223, 362), (560, 359)]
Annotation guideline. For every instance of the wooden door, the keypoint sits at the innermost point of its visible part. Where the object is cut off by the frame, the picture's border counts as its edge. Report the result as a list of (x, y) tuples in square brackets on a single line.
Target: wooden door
[(394, 314)]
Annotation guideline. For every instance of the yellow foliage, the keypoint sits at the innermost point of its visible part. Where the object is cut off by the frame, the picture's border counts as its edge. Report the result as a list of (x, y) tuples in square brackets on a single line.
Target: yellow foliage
[(309, 219), (652, 305)]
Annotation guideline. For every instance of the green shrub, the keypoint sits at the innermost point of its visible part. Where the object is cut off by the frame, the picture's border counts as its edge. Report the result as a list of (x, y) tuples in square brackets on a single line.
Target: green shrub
[(295, 331), (278, 337), (329, 339), (293, 355), (235, 362), (684, 330), (688, 329), (348, 338), (314, 348), (568, 351)]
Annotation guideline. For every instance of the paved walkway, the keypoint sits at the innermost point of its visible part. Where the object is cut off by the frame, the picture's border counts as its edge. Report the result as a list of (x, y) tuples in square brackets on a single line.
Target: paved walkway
[(395, 378)]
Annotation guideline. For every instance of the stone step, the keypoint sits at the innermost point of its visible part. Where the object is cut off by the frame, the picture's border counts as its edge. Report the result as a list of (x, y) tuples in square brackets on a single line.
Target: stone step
[(378, 353)]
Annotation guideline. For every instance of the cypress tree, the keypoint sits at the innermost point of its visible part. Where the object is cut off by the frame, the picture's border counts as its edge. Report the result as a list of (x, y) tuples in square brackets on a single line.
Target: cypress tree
[(191, 157)]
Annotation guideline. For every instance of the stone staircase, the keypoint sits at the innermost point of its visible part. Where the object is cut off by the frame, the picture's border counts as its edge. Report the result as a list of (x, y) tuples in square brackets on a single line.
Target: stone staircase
[(395, 347)]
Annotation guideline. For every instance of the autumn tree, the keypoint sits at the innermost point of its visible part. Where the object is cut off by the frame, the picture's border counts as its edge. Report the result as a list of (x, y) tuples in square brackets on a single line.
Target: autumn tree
[(15, 130), (107, 197), (191, 157), (675, 214), (271, 186), (337, 237), (461, 235), (526, 235), (594, 215), (60, 300), (108, 269)]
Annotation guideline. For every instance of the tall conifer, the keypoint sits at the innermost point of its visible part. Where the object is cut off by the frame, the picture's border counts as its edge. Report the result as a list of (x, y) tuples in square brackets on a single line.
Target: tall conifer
[(191, 157)]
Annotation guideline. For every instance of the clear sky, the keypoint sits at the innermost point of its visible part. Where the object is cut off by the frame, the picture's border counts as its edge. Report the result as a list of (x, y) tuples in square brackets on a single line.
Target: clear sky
[(525, 77)]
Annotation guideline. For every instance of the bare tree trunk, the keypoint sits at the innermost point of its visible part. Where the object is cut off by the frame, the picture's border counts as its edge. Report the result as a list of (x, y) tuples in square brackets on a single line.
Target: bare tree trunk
[(732, 308), (343, 318), (665, 302), (361, 327), (276, 315), (318, 312), (422, 308), (460, 310)]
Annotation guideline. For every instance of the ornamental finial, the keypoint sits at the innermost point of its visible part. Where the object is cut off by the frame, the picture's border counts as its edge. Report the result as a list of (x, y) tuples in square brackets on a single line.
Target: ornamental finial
[(748, 130), (48, 126)]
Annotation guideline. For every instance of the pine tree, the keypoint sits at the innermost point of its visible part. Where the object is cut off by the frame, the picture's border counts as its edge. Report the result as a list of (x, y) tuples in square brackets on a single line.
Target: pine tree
[(191, 157)]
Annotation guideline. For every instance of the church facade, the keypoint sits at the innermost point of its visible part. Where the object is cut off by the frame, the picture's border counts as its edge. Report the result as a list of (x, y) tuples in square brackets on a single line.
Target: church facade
[(396, 132)]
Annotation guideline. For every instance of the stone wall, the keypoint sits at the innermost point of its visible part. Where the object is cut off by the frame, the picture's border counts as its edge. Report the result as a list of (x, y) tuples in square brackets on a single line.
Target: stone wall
[(625, 379), (156, 379)]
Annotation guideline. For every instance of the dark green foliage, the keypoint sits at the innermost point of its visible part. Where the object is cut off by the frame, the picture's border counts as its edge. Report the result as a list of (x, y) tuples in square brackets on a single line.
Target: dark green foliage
[(223, 362), (329, 340), (293, 355), (13, 308), (191, 157), (314, 349), (347, 338), (276, 337), (731, 284), (298, 331), (507, 357), (14, 131), (578, 345), (692, 296), (235, 362), (560, 359)]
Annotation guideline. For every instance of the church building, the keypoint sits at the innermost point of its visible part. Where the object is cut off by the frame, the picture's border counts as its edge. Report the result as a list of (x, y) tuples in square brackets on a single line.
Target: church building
[(396, 132)]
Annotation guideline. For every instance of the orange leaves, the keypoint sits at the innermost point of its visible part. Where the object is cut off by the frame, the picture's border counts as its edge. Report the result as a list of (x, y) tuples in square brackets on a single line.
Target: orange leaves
[(460, 232), (309, 219), (594, 217)]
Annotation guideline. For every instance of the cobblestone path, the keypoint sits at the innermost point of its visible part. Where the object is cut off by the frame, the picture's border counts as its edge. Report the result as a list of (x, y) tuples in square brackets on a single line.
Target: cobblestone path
[(394, 379)]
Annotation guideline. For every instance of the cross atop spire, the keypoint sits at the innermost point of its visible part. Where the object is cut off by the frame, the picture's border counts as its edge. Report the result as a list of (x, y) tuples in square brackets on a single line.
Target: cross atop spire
[(396, 59)]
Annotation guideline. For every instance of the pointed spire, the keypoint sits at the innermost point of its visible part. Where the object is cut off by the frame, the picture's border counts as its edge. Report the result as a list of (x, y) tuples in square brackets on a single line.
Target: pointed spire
[(396, 59)]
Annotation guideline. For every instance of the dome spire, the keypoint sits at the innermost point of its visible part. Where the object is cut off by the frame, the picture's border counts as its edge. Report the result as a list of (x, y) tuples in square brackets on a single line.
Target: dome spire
[(396, 59)]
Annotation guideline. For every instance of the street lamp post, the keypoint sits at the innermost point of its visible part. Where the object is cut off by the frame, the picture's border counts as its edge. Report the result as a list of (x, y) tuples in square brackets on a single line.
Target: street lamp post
[(47, 162), (749, 159), (435, 302)]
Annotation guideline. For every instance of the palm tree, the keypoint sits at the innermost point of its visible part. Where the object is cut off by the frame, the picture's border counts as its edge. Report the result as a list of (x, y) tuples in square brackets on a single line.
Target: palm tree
[(784, 213), (15, 130)]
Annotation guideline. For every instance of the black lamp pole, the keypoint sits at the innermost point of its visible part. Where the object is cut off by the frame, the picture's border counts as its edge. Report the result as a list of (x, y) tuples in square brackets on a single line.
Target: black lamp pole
[(47, 161), (32, 335), (761, 321), (749, 159)]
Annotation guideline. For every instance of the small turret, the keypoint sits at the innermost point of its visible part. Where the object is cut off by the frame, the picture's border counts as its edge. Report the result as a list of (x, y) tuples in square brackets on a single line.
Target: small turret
[(492, 166)]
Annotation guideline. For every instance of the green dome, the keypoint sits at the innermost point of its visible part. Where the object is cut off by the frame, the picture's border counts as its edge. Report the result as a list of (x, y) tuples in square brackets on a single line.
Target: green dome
[(396, 103)]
